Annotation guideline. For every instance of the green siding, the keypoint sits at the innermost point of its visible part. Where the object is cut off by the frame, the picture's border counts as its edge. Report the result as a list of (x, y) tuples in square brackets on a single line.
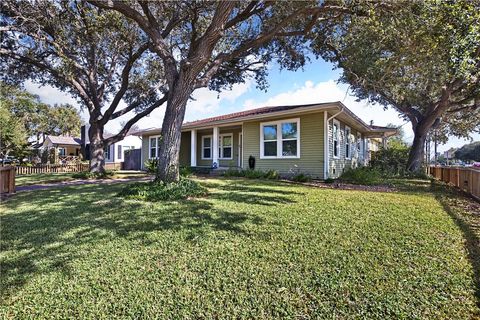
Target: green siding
[(338, 165), (185, 148), (311, 159), (145, 150)]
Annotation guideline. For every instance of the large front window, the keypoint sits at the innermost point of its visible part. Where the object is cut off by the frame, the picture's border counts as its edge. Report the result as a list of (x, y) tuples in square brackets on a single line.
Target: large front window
[(206, 147), (225, 146), (280, 139), (107, 152)]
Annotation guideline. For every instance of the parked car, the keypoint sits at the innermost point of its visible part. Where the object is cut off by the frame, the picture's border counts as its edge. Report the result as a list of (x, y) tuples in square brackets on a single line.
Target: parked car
[(8, 160), (476, 165)]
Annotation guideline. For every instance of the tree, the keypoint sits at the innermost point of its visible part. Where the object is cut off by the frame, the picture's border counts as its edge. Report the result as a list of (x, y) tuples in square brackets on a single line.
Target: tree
[(13, 136), (217, 44), (39, 119), (469, 152), (422, 59), (96, 55)]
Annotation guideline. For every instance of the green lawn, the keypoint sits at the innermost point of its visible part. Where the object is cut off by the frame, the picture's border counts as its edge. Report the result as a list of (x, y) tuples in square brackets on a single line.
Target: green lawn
[(250, 249), (46, 178)]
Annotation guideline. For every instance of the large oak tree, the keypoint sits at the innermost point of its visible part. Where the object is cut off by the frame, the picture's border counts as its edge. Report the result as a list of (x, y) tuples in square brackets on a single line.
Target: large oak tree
[(95, 55), (216, 44), (422, 59)]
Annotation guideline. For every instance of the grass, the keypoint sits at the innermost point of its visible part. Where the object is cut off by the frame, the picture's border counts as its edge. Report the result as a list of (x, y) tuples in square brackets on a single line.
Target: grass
[(250, 249), (47, 178)]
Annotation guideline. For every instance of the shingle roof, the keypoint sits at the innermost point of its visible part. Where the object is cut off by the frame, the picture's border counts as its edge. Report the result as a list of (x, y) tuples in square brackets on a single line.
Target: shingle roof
[(231, 117), (65, 140), (251, 112)]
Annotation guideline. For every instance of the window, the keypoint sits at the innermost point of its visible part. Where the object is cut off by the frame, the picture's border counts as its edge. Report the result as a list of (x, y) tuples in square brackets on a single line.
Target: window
[(359, 145), (153, 147), (107, 152), (119, 149), (62, 152), (206, 147), (225, 146), (336, 138), (348, 143), (280, 139)]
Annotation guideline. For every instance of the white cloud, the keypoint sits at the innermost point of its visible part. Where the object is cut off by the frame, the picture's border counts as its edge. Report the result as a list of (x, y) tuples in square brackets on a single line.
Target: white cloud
[(329, 91)]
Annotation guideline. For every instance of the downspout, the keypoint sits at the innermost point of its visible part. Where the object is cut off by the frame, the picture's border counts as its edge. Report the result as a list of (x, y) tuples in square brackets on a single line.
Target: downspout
[(326, 141)]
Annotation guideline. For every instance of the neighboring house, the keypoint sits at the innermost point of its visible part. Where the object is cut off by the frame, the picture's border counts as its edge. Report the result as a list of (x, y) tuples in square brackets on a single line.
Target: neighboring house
[(320, 140), (67, 148), (114, 153)]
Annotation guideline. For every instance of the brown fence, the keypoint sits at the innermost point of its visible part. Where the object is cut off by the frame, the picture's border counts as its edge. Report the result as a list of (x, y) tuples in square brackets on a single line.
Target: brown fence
[(467, 179), (7, 180), (53, 168)]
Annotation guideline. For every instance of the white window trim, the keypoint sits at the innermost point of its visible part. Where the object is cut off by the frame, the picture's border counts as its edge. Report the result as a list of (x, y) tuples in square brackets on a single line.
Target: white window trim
[(150, 147), (349, 146), (211, 147), (279, 139), (220, 146), (336, 122)]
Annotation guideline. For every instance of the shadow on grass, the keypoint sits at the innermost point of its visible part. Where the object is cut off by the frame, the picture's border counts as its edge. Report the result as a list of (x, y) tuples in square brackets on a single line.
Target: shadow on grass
[(51, 227), (453, 201)]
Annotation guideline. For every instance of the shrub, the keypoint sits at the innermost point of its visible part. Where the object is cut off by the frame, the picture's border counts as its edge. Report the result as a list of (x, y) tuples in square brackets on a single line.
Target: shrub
[(272, 175), (93, 175), (185, 171), (391, 162), (362, 175), (329, 180), (160, 191), (231, 172), (252, 174), (151, 165), (301, 177)]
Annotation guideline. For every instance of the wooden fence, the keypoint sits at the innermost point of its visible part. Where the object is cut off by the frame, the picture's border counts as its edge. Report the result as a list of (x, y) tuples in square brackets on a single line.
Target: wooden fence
[(467, 179), (51, 168), (7, 180)]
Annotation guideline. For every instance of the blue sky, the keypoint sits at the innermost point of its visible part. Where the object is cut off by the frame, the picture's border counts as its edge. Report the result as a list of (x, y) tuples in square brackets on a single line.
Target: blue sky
[(315, 83)]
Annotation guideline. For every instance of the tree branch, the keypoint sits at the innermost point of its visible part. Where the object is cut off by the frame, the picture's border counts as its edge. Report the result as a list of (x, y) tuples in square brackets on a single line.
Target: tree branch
[(119, 136)]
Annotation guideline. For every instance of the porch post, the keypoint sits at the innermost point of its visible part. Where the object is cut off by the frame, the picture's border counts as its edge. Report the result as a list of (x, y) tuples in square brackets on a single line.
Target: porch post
[(215, 146), (193, 148)]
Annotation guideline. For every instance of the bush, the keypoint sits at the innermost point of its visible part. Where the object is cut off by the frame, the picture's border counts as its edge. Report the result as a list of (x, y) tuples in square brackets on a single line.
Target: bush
[(252, 174), (362, 175), (151, 165), (93, 175), (301, 177), (391, 162), (329, 180), (185, 171), (160, 191)]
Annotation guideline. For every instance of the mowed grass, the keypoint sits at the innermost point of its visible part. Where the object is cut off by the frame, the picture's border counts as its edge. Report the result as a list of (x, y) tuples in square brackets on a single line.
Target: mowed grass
[(47, 178), (250, 249)]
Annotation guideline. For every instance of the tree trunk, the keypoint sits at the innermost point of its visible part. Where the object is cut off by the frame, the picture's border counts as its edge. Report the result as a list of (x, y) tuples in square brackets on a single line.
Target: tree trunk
[(168, 153), (417, 150), (97, 152)]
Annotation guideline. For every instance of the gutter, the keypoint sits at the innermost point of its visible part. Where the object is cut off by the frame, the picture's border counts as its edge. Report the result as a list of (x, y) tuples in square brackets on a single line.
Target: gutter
[(326, 143)]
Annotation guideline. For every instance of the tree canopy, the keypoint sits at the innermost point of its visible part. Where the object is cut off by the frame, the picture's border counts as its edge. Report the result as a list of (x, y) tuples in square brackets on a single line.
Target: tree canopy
[(217, 44), (423, 59), (469, 152), (31, 120), (97, 56)]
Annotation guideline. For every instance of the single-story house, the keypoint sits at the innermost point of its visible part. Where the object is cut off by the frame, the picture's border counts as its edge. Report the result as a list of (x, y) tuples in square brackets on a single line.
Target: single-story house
[(67, 148), (320, 140), (114, 153)]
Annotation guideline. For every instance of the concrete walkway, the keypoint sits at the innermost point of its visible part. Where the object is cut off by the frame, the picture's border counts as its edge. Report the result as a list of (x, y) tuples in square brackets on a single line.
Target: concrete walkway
[(43, 186)]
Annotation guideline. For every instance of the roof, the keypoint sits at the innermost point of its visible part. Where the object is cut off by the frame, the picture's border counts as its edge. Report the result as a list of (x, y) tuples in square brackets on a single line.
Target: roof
[(65, 140), (335, 107)]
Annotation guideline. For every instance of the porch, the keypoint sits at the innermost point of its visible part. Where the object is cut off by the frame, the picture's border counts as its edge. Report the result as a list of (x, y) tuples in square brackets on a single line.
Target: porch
[(218, 147)]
